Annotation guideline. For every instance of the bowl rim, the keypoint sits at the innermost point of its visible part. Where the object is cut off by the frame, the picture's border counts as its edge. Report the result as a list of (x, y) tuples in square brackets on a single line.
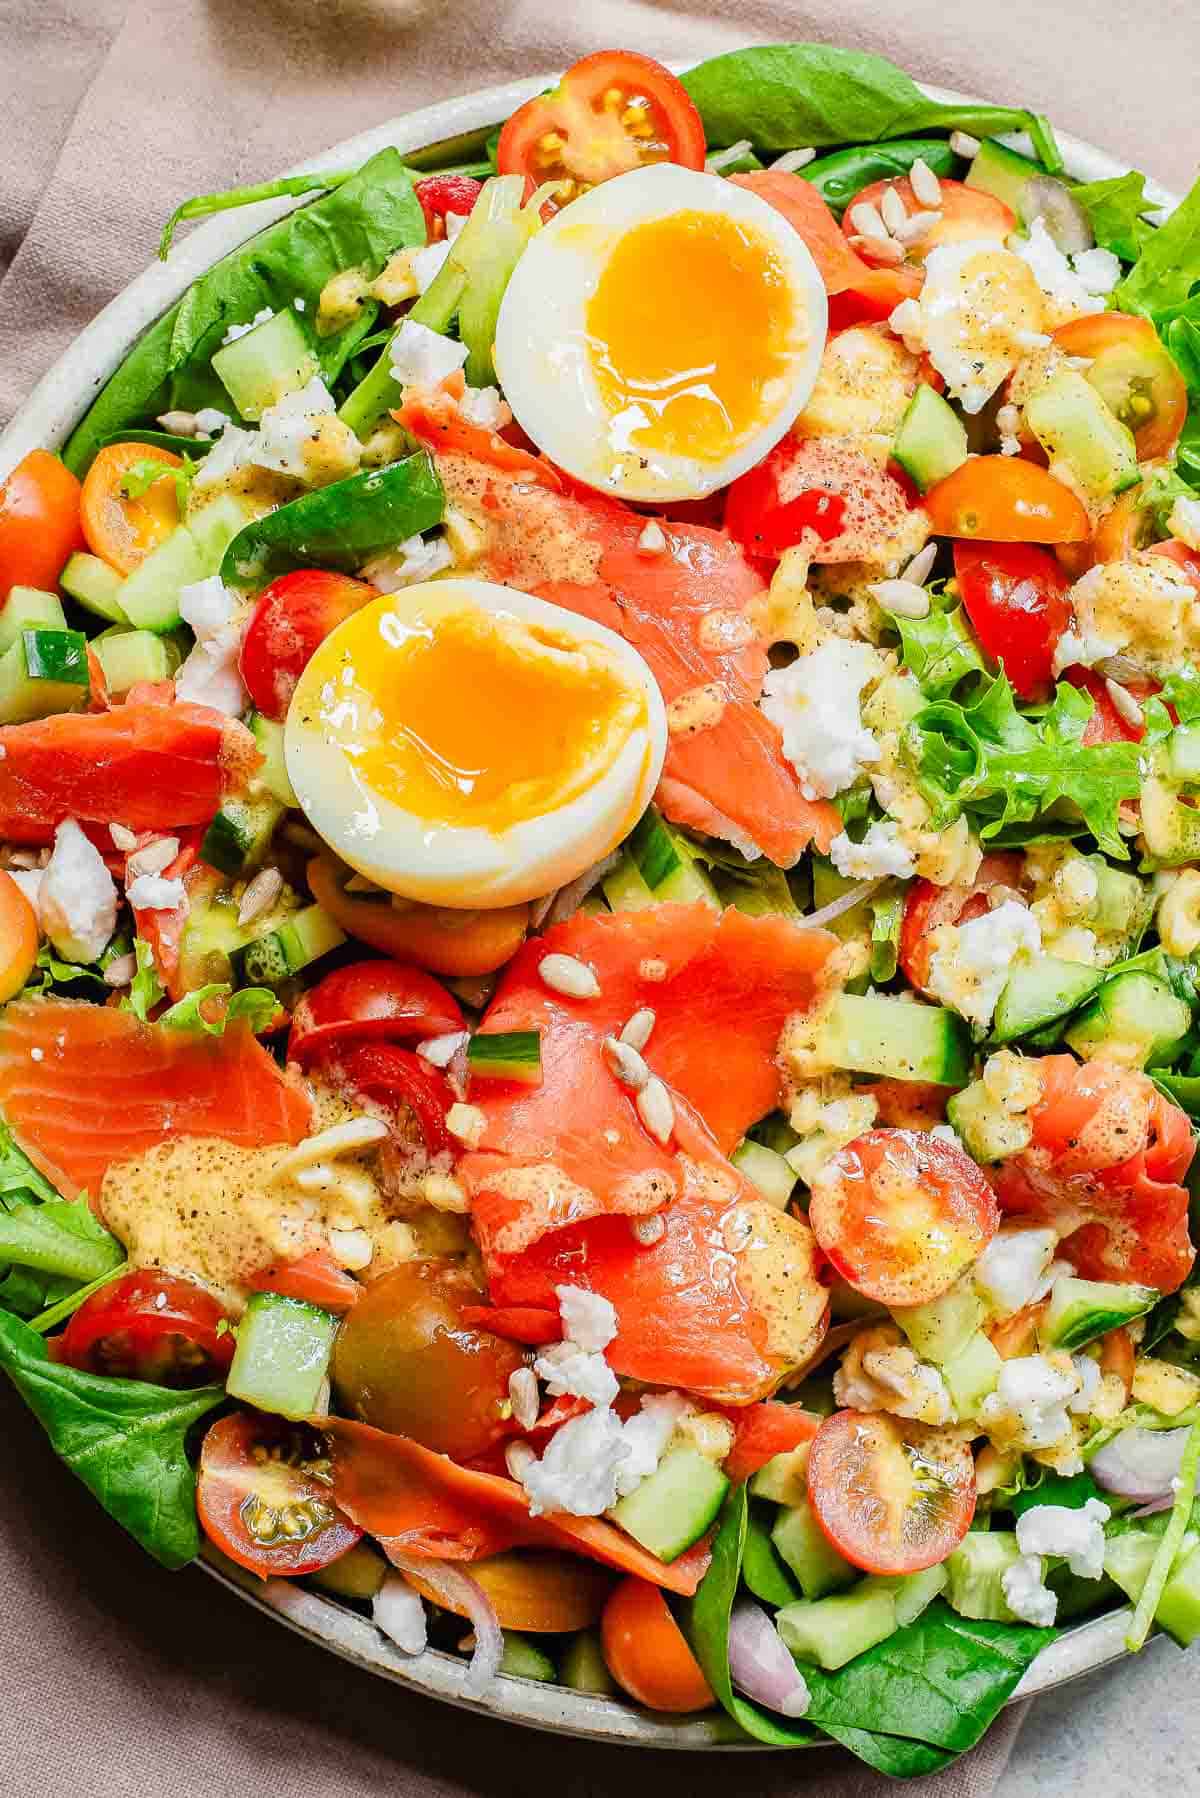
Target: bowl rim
[(44, 420)]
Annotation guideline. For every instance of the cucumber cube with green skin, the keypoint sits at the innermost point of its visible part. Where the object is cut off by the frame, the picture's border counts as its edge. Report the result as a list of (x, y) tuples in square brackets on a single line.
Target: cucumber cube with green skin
[(584, 1668), (666, 864), (1134, 1018), (975, 1572), (261, 366), (1002, 172), (43, 673), (932, 440), (832, 1631), (1081, 1310), (870, 1034), (972, 1375), (911, 1592), (523, 1659), (1179, 1607), (1170, 829), (675, 1504), (29, 609), (1183, 753), (282, 1355), (940, 1329), (131, 656), (215, 522), (805, 1549), (149, 596), (1073, 425), (240, 834), (273, 774), (302, 937), (624, 887), (94, 584), (1128, 1559), (1038, 990), (507, 1055), (784, 1478), (766, 1170), (359, 1573), (59, 656)]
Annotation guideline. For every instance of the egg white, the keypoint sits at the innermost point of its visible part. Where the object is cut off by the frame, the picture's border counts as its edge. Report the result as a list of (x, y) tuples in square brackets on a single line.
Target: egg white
[(470, 867), (541, 350)]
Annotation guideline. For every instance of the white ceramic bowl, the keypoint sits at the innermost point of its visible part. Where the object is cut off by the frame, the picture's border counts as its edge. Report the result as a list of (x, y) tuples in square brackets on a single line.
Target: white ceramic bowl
[(45, 420)]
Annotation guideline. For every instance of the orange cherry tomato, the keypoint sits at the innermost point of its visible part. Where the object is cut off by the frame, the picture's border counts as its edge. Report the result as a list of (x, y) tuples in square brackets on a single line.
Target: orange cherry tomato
[(537, 1590), (1186, 559), (1006, 499), (435, 937), (646, 1651), (967, 213), (1016, 1336), (1133, 374), (927, 907), (265, 1496), (39, 523), (902, 1214), (120, 529), (612, 112), (891, 1496), (1125, 528), (18, 937)]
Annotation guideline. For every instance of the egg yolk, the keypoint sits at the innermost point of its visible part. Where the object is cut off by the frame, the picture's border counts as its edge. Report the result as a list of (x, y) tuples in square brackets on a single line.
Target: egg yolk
[(691, 323), (473, 718)]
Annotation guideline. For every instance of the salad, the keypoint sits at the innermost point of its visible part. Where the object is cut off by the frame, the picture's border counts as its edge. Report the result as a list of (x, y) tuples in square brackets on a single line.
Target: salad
[(600, 903)]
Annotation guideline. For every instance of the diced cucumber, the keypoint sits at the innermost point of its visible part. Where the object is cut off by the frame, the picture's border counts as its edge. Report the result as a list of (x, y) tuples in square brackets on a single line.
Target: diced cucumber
[(932, 440), (1039, 989), (1127, 1560), (96, 585), (1183, 753), (784, 1478), (1170, 829), (911, 1593), (871, 1034), (807, 1552), (43, 672), (523, 1659), (1179, 1607), (506, 1055), (29, 609), (584, 1668), (262, 365), (972, 1374), (665, 862), (1120, 898), (674, 1506), (302, 937), (359, 1573), (762, 1569), (215, 522), (282, 1355), (1081, 1310), (57, 656), (211, 937), (1073, 425), (1000, 171), (941, 1328), (273, 774), (766, 1170), (240, 834), (1134, 1018), (976, 1569), (832, 1631), (131, 656), (988, 1131), (149, 596), (624, 887)]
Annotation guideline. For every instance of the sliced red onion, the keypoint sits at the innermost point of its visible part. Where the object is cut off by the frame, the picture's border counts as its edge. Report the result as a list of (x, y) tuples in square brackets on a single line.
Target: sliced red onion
[(1155, 1506), (458, 1592), (1140, 1463), (760, 1665), (861, 890), (399, 1611)]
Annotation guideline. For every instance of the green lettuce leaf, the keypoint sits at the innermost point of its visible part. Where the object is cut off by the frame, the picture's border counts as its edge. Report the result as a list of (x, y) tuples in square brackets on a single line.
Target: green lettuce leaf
[(1162, 280), (146, 990), (1115, 209), (939, 650), (254, 1005)]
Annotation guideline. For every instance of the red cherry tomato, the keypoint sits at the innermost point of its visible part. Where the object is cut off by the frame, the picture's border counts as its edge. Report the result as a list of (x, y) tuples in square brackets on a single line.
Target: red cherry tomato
[(612, 112), (891, 1496), (150, 1326), (441, 194), (1134, 376), (40, 523), (1106, 725), (1186, 559), (371, 999), (965, 214), (265, 1496), (817, 488), (1016, 597), (902, 1214), (398, 1078), (928, 907), (293, 616)]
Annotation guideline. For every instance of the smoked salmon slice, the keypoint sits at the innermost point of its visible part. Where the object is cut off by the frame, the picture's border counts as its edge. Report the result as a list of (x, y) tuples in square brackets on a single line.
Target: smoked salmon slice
[(83, 1086), (690, 609), (146, 766)]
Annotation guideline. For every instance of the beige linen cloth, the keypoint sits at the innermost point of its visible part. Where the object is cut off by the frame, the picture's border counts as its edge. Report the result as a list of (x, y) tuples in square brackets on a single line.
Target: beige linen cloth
[(118, 1679)]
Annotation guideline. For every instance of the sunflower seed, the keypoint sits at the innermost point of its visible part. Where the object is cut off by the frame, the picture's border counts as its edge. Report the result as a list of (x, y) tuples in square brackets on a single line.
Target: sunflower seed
[(153, 859), (905, 598), (565, 974), (919, 569), (905, 320), (626, 1064), (883, 249), (648, 1230), (518, 1458), (791, 160), (894, 211), (917, 225), (262, 893), (123, 838), (868, 221), (925, 184), (656, 1109), (1125, 703), (121, 971), (653, 539), (638, 1031), (524, 1397), (964, 145)]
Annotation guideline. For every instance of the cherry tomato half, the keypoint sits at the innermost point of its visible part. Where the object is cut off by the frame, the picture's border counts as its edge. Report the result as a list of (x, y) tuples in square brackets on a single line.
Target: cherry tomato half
[(1133, 374), (39, 523), (294, 615), (150, 1326), (647, 1653), (927, 907), (1007, 500), (612, 112), (1016, 597), (381, 1000), (441, 194), (265, 1496), (399, 1079), (433, 936), (122, 528), (405, 1361), (1106, 725), (902, 1214), (891, 1496), (967, 214)]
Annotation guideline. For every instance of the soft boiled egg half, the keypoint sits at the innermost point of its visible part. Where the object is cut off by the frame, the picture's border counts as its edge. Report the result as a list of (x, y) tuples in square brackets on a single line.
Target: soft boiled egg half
[(465, 744), (661, 333)]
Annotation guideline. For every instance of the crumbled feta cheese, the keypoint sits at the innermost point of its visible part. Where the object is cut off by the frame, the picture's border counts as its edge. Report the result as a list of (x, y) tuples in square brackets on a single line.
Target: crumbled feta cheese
[(233, 451), (1089, 1375), (970, 963), (579, 1471), (77, 899), (1029, 1405), (880, 853), (1184, 521), (211, 419), (211, 675), (1076, 1535), (814, 703), (150, 892), (409, 562), (30, 882), (236, 331), (427, 263), (879, 1372), (569, 1369), (288, 427), (468, 1123), (1073, 650), (1063, 288), (483, 406), (1098, 269), (1026, 1594), (647, 1435), (587, 1317), (207, 606), (423, 358), (1010, 1269)]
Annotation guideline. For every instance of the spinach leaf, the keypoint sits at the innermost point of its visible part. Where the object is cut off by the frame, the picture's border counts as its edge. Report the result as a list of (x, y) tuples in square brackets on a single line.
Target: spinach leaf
[(155, 439), (1162, 279), (784, 96), (59, 1236), (894, 1755), (1070, 1489), (20, 1182), (358, 225), (341, 525), (58, 1313), (204, 205), (123, 1438), (1115, 209), (838, 177)]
